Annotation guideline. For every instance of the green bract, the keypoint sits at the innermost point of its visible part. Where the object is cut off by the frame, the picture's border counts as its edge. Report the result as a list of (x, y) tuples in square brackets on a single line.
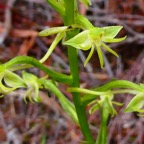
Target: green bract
[(136, 103), (96, 38)]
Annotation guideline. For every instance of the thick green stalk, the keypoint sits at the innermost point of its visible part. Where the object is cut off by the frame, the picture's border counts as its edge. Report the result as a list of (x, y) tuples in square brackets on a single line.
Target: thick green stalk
[(73, 61)]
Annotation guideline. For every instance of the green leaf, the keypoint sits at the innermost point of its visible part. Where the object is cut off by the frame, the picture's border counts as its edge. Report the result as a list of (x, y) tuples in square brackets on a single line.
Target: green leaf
[(28, 77), (136, 103), (65, 103), (52, 31)]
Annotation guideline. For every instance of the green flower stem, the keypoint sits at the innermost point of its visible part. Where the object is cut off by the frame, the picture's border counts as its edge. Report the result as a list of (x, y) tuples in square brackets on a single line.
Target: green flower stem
[(97, 93), (33, 62), (73, 61), (102, 136), (86, 91)]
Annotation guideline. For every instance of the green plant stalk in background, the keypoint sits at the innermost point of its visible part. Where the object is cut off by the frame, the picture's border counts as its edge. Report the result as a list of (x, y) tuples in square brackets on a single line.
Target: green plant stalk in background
[(73, 62)]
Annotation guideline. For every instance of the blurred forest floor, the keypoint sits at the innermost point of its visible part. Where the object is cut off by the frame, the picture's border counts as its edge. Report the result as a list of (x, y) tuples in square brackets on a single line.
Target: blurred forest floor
[(46, 123)]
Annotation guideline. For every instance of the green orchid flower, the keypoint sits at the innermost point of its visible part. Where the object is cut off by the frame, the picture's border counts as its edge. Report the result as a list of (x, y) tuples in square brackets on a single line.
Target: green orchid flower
[(95, 38), (97, 103), (106, 98), (33, 85)]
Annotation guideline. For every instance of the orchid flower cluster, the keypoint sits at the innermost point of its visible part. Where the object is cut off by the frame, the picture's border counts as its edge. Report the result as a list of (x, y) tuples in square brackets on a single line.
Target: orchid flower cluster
[(97, 97), (9, 81), (77, 34)]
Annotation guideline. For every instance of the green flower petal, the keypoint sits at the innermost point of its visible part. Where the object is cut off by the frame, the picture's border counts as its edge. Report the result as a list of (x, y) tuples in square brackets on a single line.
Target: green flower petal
[(112, 111), (100, 55), (86, 45), (96, 33), (109, 49), (52, 31), (111, 31), (53, 45), (80, 41), (33, 86), (89, 56), (95, 107), (5, 90), (28, 94), (36, 94), (109, 40), (13, 80), (28, 77)]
